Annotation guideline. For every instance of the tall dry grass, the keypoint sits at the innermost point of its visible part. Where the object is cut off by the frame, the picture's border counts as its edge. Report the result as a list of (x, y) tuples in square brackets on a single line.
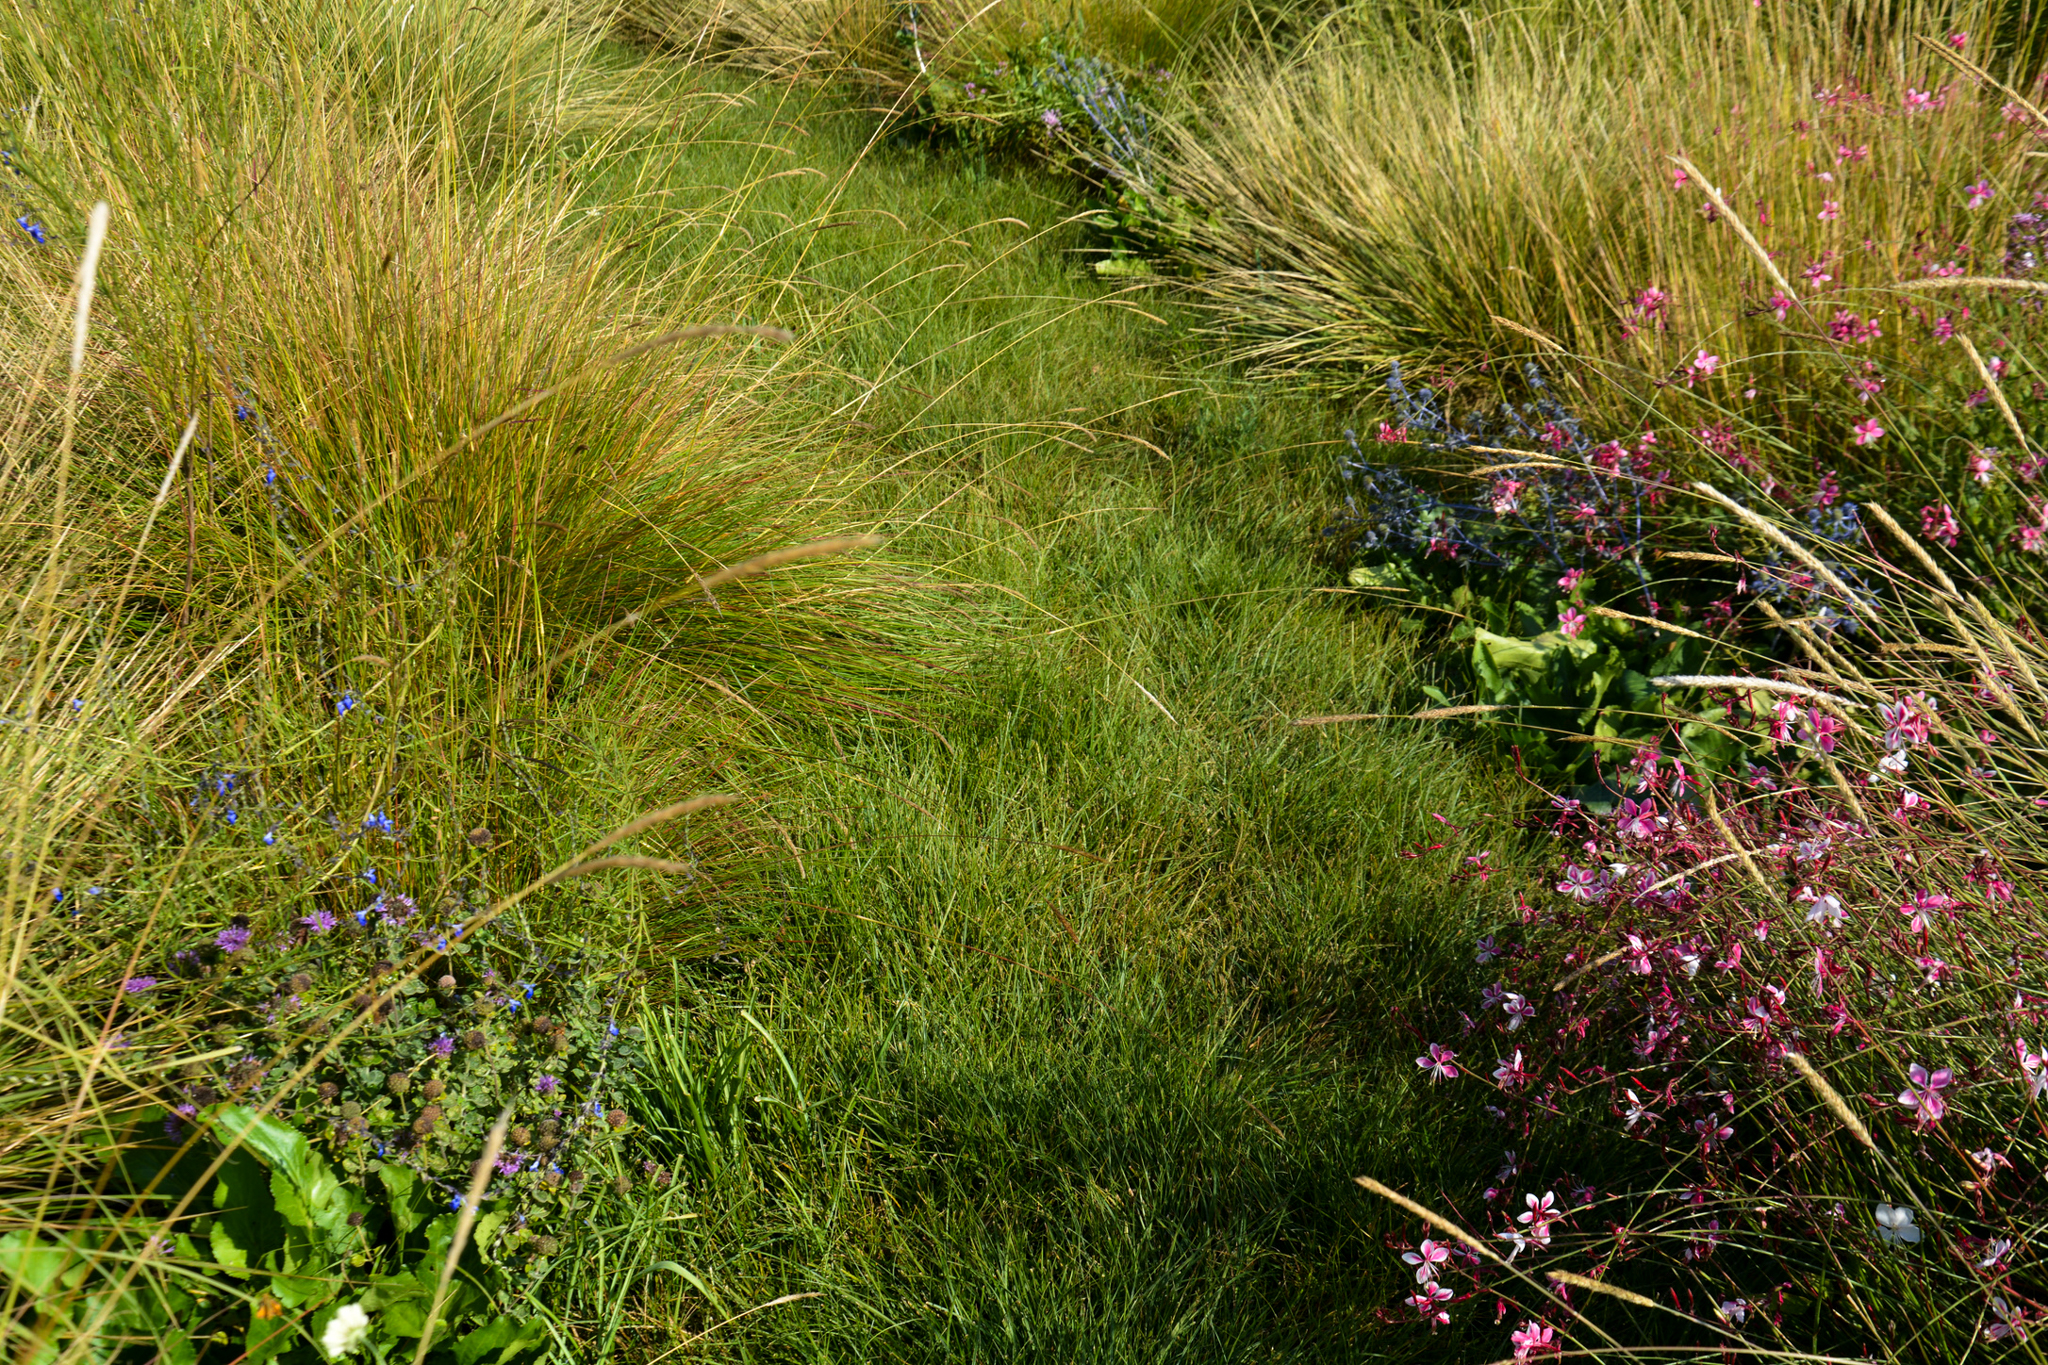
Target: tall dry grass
[(1447, 188), (886, 47)]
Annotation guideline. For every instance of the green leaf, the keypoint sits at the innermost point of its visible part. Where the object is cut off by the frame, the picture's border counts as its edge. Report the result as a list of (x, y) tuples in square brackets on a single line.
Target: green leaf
[(499, 1341), (401, 1184)]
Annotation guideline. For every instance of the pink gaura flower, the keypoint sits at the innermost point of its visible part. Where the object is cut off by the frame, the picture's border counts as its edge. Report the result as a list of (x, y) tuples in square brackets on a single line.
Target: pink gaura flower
[(1956, 40), (1582, 883), (1847, 153), (1651, 300), (1830, 210), (1530, 1339), (1638, 954), (2030, 539), (1980, 193), (1983, 467), (1429, 1301), (2033, 1069), (2008, 1320), (1711, 1131), (1923, 1096), (1638, 1113), (1817, 273), (1827, 908), (1702, 367), (1393, 435), (1679, 179), (1638, 819), (1511, 1072), (1824, 732), (1504, 494), (1919, 101), (1518, 1009), (1426, 1259), (1869, 432), (1571, 580), (1921, 910), (1439, 1062), (1571, 621), (1786, 714), (1941, 526), (1781, 303)]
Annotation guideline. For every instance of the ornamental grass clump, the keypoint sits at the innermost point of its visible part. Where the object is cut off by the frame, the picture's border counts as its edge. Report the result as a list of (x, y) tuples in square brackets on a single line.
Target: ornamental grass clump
[(1765, 1056), (1455, 192)]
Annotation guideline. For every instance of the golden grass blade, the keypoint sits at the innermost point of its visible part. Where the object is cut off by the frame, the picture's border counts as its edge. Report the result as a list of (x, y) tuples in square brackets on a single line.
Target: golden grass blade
[(479, 1181), (1997, 392), (88, 279), (1734, 220), (1440, 713), (1832, 1098)]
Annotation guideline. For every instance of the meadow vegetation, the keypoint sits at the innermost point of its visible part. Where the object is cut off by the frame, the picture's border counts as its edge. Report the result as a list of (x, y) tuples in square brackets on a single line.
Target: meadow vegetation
[(835, 682)]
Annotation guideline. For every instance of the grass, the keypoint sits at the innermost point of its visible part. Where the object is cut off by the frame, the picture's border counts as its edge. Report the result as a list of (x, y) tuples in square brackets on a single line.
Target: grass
[(1456, 191), (1098, 928), (1040, 914)]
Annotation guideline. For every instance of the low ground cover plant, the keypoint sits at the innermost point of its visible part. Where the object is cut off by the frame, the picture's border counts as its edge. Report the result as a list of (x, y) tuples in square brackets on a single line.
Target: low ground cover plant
[(1802, 995)]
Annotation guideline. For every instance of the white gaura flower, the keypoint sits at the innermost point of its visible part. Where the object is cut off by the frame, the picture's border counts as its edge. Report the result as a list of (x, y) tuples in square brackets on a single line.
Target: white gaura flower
[(348, 1331), (1895, 1224)]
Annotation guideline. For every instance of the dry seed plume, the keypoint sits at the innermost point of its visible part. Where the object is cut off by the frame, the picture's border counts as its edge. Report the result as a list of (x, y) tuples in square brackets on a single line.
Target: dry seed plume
[(1832, 1099)]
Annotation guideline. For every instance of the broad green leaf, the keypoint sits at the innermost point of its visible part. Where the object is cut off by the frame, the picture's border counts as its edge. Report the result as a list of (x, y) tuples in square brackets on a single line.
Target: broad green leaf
[(499, 1341)]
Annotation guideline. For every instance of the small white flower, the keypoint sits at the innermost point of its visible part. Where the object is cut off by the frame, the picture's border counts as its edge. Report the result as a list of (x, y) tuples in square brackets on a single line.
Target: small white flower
[(1895, 1224), (348, 1331)]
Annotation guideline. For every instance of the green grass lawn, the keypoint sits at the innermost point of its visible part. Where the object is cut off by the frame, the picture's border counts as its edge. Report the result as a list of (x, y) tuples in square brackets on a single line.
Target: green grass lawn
[(1077, 1002)]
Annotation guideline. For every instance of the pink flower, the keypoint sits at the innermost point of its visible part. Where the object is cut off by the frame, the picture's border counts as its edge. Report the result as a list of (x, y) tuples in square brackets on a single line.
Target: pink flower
[(1920, 910), (2030, 539), (1519, 1010), (1512, 1073), (1918, 101), (2033, 1070), (1786, 714), (1847, 153), (1712, 1132), (1638, 954), (1532, 1337), (1923, 1096), (1651, 300), (1827, 907), (1441, 1064), (1571, 621), (1830, 210), (1781, 303), (2010, 1321), (1426, 1259), (1982, 467), (1824, 732), (1941, 526), (1980, 193), (1678, 179), (1392, 435), (1505, 494), (1817, 273), (1638, 819), (1868, 432), (1571, 580), (1583, 883), (1702, 367), (1636, 1113), (1428, 1300), (1956, 40)]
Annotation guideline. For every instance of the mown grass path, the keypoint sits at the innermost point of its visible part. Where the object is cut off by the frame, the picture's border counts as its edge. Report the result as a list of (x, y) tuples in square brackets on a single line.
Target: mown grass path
[(1091, 984)]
